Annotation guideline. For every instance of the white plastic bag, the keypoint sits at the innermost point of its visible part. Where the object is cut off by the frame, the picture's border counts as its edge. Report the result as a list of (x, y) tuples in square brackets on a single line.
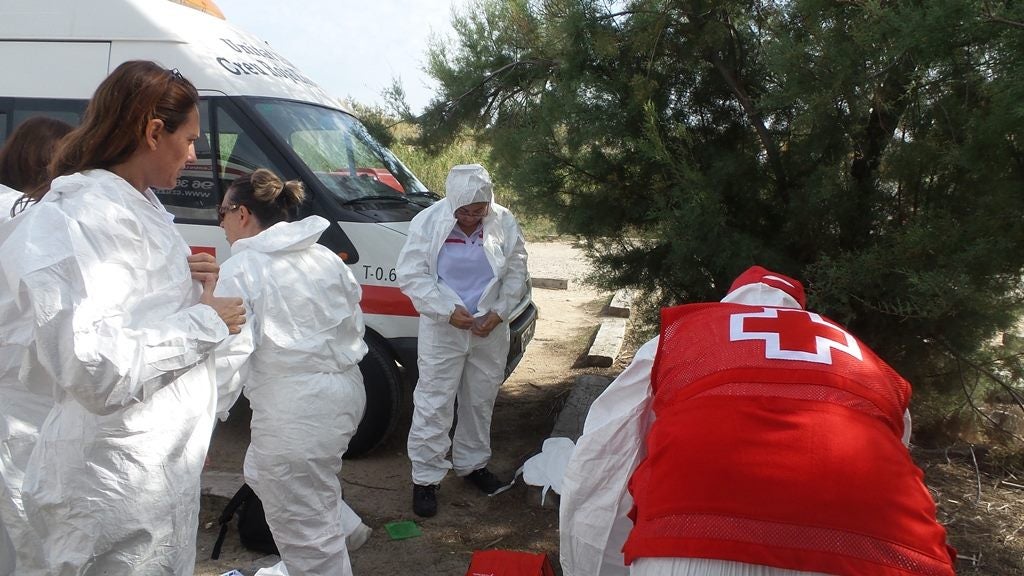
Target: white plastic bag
[(548, 468)]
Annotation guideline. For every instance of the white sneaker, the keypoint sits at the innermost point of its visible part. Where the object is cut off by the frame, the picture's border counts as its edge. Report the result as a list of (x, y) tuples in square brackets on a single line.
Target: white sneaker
[(358, 537)]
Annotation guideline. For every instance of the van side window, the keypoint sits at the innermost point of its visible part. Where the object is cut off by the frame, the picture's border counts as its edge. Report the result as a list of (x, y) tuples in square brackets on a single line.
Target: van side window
[(194, 198), (20, 109), (72, 117), (239, 149)]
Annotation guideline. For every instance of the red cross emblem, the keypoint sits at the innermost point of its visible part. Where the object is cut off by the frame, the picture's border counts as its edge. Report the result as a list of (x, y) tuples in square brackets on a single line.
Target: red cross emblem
[(792, 334)]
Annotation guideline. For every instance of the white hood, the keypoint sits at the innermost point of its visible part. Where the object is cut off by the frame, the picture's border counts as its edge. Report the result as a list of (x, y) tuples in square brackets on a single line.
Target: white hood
[(468, 184), (285, 236)]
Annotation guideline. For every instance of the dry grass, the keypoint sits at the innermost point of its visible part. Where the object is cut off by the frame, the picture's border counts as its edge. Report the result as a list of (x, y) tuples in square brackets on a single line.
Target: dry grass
[(987, 531)]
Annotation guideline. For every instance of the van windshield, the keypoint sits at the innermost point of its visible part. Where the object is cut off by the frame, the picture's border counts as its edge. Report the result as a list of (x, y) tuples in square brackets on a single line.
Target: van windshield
[(341, 153)]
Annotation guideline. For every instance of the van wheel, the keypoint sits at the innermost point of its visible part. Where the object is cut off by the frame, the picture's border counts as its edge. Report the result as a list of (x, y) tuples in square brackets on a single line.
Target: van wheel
[(383, 384)]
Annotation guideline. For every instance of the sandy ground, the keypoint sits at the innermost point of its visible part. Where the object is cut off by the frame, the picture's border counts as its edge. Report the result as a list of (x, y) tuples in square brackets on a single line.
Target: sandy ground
[(378, 487), (981, 508)]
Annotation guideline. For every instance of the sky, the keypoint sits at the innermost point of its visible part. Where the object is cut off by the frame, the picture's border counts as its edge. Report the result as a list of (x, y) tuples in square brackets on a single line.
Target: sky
[(353, 49)]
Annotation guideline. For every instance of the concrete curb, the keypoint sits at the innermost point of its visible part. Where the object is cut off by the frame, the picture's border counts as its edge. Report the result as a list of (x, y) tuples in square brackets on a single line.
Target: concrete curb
[(569, 424), (549, 283), (620, 304), (607, 341), (573, 415)]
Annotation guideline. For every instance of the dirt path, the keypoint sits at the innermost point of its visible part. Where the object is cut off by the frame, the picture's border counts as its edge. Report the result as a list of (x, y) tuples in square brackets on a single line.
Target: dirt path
[(378, 486), (986, 530)]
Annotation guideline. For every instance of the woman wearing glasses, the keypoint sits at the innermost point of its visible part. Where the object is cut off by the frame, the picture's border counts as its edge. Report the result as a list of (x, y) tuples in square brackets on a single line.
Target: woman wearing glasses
[(297, 358), (464, 268), (119, 324)]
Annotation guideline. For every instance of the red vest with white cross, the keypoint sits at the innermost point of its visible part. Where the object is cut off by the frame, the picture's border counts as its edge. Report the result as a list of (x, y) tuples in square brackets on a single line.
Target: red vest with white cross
[(776, 442)]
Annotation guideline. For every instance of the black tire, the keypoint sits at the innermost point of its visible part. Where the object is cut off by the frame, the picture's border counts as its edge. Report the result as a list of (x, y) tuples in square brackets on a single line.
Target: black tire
[(383, 384)]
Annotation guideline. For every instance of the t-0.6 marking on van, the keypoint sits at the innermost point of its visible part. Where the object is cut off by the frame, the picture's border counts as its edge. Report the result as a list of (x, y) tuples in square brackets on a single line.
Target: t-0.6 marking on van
[(256, 110)]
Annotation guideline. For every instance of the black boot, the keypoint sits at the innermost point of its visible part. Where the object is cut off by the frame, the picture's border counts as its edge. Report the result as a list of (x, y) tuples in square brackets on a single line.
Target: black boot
[(424, 500), (487, 482)]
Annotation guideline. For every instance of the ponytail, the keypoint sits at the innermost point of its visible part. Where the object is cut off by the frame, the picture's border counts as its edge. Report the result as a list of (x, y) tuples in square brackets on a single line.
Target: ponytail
[(268, 198)]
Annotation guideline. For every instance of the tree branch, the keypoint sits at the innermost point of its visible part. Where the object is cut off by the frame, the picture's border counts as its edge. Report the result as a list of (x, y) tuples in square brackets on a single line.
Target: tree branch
[(880, 125), (970, 400), (961, 359), (732, 79), (483, 82), (991, 18), (574, 167), (1000, 20), (623, 13)]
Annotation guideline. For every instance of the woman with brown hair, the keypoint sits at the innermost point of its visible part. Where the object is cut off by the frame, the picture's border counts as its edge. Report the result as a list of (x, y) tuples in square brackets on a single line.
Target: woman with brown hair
[(299, 355), (23, 166), (24, 160), (121, 322)]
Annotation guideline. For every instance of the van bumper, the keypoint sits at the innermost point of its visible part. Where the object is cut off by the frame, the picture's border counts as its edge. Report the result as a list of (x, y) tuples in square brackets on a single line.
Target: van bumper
[(520, 333)]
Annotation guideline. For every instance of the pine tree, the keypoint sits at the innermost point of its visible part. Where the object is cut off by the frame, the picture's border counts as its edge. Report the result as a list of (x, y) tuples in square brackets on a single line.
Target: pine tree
[(872, 148)]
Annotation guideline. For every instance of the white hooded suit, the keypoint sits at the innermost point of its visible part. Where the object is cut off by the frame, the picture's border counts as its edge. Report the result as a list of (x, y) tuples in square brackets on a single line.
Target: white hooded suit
[(118, 339), (454, 362), (22, 411), (14, 426), (297, 357), (8, 196)]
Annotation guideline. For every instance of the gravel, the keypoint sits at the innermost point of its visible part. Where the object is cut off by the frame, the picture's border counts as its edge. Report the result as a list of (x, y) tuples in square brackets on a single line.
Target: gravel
[(560, 260)]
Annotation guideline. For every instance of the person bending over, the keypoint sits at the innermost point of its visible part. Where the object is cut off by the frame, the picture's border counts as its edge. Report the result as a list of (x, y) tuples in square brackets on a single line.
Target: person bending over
[(751, 438)]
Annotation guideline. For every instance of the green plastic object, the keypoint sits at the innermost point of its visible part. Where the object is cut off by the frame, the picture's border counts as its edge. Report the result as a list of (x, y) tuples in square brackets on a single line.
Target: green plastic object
[(402, 530)]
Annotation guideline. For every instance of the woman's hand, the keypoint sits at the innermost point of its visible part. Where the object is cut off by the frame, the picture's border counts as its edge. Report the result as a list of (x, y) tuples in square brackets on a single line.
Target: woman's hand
[(482, 326), (230, 310), (461, 318), (203, 266)]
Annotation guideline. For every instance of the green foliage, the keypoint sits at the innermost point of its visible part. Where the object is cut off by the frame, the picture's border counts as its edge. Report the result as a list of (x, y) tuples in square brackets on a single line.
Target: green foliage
[(432, 167), (378, 122), (392, 126), (872, 148)]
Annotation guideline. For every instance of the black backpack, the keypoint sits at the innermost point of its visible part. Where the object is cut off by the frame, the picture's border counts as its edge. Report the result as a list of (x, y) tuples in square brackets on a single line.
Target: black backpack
[(252, 523)]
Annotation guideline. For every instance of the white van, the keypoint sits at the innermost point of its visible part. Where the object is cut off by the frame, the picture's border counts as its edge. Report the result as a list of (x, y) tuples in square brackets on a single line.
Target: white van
[(257, 110)]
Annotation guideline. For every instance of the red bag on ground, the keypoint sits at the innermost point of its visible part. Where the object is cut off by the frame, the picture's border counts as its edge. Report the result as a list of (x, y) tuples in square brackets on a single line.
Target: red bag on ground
[(509, 563)]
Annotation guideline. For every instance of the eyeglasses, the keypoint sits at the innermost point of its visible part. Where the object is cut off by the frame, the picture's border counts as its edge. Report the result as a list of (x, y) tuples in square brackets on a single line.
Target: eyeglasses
[(175, 74), (465, 213), (223, 210)]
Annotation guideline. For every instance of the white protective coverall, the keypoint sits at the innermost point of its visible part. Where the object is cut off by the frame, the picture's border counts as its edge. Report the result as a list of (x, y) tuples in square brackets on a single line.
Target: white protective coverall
[(8, 196), (121, 343), (6, 551), (453, 362), (22, 412), (595, 500), (297, 358)]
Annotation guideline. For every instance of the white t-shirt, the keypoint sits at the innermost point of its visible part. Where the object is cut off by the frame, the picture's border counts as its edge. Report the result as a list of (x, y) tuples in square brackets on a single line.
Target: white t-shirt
[(462, 265)]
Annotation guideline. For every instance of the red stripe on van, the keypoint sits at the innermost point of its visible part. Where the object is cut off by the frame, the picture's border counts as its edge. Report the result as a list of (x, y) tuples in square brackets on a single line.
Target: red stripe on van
[(386, 300)]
